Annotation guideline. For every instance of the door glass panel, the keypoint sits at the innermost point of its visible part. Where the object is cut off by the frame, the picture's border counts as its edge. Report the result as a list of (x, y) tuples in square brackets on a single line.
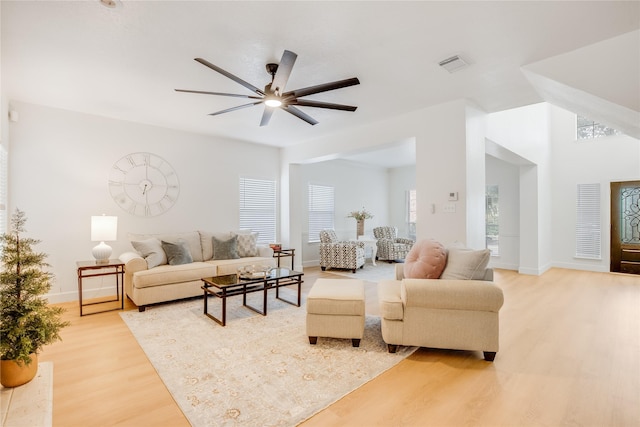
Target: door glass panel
[(630, 215)]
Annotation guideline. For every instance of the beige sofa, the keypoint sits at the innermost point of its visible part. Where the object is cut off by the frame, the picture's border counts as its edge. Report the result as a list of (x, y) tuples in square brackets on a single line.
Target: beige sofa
[(441, 313), (166, 282)]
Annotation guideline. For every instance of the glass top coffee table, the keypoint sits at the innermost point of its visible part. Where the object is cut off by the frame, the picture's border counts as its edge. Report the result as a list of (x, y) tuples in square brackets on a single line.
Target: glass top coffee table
[(230, 284)]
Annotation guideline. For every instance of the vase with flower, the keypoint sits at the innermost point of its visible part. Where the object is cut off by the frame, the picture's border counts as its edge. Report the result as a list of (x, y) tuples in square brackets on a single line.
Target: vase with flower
[(360, 216)]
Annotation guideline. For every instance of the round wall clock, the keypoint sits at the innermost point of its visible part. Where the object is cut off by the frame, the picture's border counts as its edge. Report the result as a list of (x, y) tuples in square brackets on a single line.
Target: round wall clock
[(143, 184)]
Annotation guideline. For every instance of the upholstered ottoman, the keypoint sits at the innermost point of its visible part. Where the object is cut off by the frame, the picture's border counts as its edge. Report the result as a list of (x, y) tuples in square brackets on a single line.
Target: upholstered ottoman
[(335, 309)]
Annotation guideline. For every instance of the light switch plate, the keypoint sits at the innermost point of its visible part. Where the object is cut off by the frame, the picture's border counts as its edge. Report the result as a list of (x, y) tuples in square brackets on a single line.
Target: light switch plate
[(449, 208)]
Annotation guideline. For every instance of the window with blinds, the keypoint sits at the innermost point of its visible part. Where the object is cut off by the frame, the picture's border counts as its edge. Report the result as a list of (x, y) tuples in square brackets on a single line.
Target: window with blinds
[(258, 208), (412, 214), (588, 222), (321, 210)]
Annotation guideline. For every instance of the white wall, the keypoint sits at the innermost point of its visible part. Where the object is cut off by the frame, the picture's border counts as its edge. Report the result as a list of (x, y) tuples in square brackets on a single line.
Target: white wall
[(545, 135), (356, 186), (525, 133), (60, 163), (440, 134), (401, 180), (599, 160), (507, 177)]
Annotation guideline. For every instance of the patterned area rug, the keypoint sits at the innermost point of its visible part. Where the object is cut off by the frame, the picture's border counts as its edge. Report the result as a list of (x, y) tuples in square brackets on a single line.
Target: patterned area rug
[(258, 370)]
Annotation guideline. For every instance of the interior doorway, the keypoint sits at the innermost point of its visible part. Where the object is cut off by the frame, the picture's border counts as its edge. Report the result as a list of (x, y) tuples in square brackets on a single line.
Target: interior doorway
[(625, 227)]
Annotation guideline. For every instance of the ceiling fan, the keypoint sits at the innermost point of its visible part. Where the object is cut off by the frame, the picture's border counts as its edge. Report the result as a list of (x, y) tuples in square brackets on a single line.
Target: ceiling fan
[(274, 96)]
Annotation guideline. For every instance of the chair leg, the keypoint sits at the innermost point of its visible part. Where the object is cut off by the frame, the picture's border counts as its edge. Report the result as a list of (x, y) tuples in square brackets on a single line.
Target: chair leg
[(392, 348), (355, 342), (489, 356), (313, 340), (323, 268), (353, 271)]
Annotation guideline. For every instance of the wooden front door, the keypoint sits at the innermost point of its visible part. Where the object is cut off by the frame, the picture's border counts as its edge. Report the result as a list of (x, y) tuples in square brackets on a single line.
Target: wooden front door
[(625, 227)]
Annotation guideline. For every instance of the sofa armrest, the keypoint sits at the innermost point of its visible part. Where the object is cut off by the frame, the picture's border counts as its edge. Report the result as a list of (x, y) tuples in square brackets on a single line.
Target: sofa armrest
[(133, 262), (399, 271), (475, 295), (265, 251), (391, 306)]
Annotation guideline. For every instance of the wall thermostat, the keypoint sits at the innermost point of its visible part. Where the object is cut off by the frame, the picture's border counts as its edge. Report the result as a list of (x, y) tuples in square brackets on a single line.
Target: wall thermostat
[(453, 196)]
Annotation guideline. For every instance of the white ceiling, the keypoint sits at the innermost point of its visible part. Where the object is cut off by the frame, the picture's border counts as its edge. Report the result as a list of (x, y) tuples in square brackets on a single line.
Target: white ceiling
[(126, 62)]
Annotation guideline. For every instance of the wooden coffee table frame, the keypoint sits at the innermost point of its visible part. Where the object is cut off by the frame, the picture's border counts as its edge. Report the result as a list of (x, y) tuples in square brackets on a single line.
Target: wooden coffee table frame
[(228, 285)]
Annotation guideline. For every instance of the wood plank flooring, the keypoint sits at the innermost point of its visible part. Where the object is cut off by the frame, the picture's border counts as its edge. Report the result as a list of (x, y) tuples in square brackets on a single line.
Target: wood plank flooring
[(570, 355)]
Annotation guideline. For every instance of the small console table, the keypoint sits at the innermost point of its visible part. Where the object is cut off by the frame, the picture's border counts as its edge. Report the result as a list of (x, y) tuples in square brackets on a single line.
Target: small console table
[(370, 243), (284, 253), (114, 267)]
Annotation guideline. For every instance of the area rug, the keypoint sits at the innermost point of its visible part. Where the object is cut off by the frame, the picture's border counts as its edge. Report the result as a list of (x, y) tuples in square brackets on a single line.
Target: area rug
[(369, 272), (258, 370)]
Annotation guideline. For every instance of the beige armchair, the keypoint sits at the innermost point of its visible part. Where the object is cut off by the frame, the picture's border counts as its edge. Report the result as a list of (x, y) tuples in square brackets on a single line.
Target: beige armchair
[(441, 313)]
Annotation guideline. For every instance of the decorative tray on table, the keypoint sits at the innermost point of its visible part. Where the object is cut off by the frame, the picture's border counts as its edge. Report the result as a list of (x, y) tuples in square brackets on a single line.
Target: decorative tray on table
[(251, 272)]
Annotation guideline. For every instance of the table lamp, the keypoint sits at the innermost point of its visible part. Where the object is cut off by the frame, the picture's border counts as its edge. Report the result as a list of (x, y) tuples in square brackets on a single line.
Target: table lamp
[(103, 228)]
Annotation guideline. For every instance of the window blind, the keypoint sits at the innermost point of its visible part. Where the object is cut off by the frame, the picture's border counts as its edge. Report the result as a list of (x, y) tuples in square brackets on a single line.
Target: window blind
[(258, 208), (588, 234), (321, 210)]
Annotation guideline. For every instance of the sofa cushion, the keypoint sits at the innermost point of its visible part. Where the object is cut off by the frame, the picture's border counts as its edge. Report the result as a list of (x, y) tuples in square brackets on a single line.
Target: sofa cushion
[(225, 249), (426, 260), (191, 237), (206, 241), (151, 250), (177, 253), (467, 264), (168, 274), (247, 245)]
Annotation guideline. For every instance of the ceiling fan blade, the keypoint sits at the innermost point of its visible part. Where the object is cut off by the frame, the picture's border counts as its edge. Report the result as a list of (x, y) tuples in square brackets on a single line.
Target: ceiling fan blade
[(231, 76), (299, 114), (318, 104), (266, 115), (217, 93), (298, 93), (284, 71), (239, 107)]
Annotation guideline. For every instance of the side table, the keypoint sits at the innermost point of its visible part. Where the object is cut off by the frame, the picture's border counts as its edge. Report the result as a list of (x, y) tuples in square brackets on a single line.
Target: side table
[(284, 253), (114, 267), (371, 243)]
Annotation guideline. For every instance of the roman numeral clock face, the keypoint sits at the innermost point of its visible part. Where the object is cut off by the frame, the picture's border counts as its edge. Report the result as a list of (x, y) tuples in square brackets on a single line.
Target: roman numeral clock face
[(143, 184)]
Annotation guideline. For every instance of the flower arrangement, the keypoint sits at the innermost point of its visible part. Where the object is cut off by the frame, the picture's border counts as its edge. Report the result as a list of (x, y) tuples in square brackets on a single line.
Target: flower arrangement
[(360, 215)]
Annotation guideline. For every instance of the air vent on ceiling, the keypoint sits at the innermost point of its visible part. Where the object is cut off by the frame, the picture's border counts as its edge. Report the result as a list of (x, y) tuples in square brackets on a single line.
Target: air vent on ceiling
[(453, 64)]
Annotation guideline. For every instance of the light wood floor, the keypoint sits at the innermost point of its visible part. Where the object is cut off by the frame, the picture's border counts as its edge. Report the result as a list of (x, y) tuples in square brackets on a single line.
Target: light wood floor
[(570, 355)]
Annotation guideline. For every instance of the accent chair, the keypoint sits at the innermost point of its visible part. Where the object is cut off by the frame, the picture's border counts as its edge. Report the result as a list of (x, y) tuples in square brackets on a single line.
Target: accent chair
[(390, 246), (340, 254)]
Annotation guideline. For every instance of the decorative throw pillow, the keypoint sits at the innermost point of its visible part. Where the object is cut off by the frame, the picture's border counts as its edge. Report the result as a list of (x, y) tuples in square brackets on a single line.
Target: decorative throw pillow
[(151, 250), (247, 245), (225, 249), (425, 260), (178, 252), (467, 264)]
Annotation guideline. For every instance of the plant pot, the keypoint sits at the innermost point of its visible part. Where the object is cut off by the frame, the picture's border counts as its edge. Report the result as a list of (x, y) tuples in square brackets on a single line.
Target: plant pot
[(14, 374)]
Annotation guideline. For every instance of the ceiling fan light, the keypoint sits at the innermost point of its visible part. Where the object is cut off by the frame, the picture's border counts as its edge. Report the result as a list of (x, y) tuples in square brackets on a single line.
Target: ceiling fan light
[(273, 102)]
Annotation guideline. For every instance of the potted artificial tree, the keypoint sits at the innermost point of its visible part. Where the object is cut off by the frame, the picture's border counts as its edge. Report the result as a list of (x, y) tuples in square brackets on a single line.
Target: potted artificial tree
[(28, 323)]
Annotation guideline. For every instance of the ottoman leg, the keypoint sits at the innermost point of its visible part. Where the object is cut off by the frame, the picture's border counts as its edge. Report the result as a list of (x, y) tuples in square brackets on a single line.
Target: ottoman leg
[(355, 342), (313, 340)]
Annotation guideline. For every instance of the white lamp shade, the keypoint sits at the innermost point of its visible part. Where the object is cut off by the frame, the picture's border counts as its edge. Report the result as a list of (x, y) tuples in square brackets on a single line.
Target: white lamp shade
[(104, 228)]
